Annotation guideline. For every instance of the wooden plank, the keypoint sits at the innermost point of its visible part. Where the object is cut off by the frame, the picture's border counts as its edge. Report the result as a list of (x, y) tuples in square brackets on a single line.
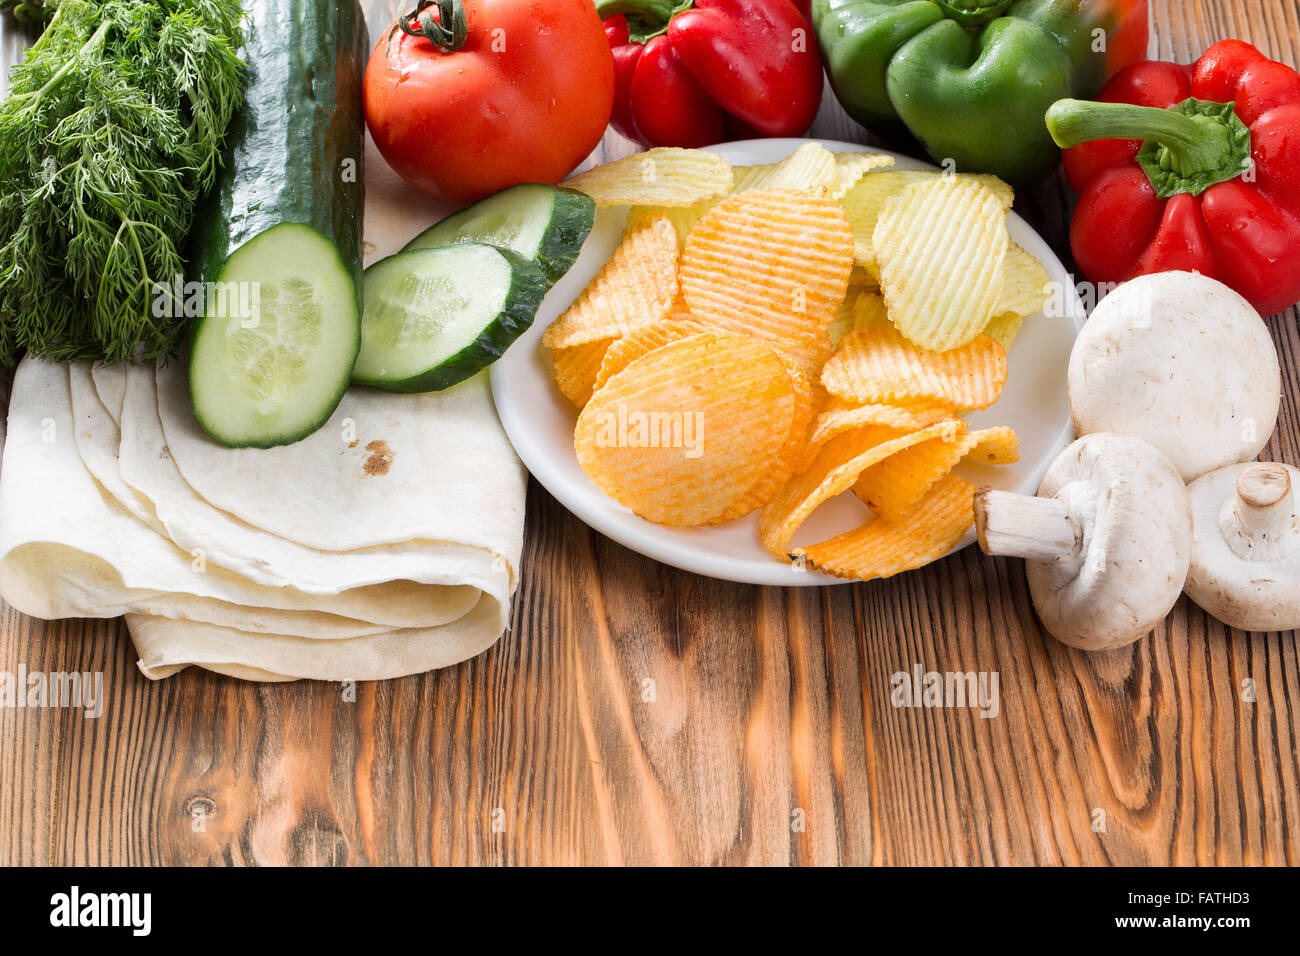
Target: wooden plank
[(636, 714)]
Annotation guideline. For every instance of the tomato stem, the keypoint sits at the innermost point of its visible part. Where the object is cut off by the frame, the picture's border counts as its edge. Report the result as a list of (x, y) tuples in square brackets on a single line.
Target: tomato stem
[(448, 31)]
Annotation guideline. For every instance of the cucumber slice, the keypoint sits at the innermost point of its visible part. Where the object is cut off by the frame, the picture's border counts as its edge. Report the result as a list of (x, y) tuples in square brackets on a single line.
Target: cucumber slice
[(434, 317), (541, 223), (274, 350)]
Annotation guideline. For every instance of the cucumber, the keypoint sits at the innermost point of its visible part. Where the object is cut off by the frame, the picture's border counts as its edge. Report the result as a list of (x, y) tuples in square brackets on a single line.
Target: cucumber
[(281, 229), (434, 317), (541, 223)]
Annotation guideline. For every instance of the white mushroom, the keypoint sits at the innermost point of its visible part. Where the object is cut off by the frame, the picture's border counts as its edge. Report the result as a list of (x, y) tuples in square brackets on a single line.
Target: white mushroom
[(1182, 361), (1246, 546), (1107, 541)]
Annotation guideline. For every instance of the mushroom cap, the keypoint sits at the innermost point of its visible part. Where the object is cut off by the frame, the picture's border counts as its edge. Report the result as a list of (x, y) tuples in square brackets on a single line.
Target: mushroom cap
[(1135, 532), (1249, 584), (1182, 361)]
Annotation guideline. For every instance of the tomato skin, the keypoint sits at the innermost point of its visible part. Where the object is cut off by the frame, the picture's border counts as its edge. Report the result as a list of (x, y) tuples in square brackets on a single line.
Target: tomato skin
[(526, 99)]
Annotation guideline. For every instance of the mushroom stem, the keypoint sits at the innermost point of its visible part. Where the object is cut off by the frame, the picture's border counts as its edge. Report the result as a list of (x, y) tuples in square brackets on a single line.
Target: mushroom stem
[(1262, 515), (1021, 526)]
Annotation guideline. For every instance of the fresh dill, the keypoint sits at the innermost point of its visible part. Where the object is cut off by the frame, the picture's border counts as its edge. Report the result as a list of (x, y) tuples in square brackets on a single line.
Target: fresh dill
[(111, 132)]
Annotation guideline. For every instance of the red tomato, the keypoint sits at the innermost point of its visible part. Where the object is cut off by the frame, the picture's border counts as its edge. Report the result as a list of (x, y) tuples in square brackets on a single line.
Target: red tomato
[(525, 99)]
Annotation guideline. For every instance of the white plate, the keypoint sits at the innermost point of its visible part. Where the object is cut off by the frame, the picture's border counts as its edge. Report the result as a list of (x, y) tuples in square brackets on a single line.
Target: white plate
[(539, 420)]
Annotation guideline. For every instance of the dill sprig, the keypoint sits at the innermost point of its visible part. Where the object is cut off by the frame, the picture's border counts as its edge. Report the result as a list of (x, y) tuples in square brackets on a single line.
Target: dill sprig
[(111, 132)]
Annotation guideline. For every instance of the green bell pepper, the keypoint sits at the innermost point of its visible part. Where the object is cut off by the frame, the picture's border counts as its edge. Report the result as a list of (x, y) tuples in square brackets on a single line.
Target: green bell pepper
[(972, 79)]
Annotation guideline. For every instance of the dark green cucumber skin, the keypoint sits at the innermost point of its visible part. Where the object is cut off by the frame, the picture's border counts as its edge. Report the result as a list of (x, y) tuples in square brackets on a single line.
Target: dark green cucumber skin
[(287, 147), (571, 221), (528, 284)]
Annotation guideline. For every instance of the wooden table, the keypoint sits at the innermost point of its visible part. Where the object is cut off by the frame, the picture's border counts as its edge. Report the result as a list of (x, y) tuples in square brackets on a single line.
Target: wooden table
[(637, 714)]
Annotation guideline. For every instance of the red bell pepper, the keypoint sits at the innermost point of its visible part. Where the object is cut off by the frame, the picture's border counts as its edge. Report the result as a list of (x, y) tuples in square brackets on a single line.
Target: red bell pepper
[(695, 72), (1190, 167)]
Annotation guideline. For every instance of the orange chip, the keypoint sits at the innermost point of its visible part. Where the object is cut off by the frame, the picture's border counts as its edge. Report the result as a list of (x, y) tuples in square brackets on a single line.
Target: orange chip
[(577, 367), (882, 548), (895, 485), (791, 457), (774, 264), (683, 432), (642, 341), (838, 416), (875, 364), (835, 469), (638, 285)]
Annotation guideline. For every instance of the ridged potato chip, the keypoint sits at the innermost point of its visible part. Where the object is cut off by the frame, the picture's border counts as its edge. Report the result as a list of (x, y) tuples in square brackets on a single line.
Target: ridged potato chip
[(940, 248), (851, 167), (774, 264), (577, 367), (1004, 329), (835, 469), (864, 202), (894, 486), (663, 176), (810, 168), (683, 218), (683, 432), (851, 310), (637, 286), (627, 349), (791, 457), (876, 365), (1028, 285), (882, 548), (838, 416)]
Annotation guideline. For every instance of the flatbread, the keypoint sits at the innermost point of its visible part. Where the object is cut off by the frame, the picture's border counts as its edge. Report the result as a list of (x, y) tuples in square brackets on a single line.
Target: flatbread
[(69, 548)]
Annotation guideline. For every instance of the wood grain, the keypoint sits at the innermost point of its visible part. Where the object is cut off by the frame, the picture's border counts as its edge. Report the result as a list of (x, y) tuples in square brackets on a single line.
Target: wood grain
[(637, 714)]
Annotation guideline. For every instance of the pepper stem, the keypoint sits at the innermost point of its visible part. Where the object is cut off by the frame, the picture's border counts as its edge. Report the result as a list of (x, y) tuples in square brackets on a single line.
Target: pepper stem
[(1186, 149), (447, 32), (646, 19), (651, 11)]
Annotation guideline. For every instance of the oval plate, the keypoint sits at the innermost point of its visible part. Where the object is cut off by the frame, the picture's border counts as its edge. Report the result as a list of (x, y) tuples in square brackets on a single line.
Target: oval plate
[(539, 420)]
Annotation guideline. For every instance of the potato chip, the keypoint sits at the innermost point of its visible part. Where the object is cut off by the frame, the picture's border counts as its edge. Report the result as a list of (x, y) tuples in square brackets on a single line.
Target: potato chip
[(838, 416), (895, 485), (577, 367), (864, 202), (1028, 285), (851, 167), (1004, 329), (852, 311), (868, 309), (637, 286), (810, 168), (683, 432), (939, 249), (664, 176), (835, 468), (774, 264), (642, 341), (876, 365), (883, 548), (791, 458), (683, 218)]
